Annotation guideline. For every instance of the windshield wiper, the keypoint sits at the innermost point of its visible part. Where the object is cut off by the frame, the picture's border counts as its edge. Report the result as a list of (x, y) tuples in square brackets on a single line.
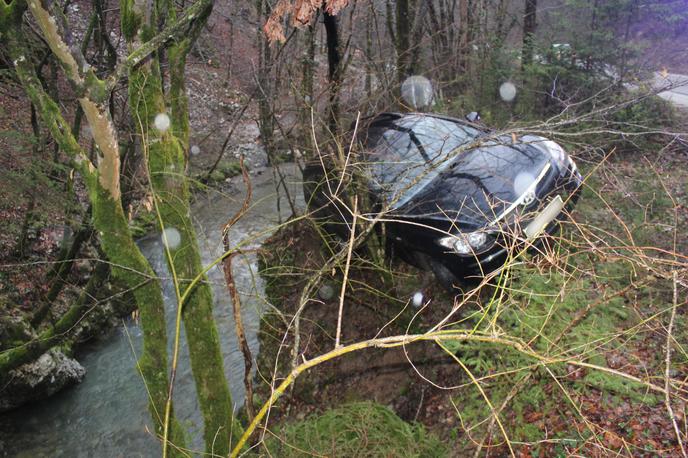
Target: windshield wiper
[(414, 139)]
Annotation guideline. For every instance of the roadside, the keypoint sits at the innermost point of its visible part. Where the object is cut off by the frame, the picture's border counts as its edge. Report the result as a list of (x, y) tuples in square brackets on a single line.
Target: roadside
[(677, 95)]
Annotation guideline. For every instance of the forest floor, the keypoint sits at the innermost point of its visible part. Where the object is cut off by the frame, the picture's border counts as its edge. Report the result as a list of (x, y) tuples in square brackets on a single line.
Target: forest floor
[(594, 416), (611, 257)]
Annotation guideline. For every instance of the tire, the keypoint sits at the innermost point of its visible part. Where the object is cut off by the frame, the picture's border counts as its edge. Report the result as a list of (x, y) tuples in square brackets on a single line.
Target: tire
[(444, 276)]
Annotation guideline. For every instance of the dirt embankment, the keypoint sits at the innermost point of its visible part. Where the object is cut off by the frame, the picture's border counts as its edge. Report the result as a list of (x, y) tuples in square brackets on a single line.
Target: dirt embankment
[(397, 377)]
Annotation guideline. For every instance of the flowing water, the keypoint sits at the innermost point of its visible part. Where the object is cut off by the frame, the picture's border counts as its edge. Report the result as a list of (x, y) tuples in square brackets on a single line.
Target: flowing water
[(107, 414)]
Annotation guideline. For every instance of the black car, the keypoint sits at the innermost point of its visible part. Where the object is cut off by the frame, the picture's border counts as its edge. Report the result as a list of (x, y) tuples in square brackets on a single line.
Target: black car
[(457, 197)]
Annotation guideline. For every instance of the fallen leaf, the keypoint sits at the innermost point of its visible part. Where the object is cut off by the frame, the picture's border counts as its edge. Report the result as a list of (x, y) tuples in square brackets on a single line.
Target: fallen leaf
[(613, 440)]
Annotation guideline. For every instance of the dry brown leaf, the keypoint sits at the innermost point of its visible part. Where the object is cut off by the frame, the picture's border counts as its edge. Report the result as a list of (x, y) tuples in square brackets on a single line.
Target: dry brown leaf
[(533, 417), (302, 12), (614, 441), (335, 6)]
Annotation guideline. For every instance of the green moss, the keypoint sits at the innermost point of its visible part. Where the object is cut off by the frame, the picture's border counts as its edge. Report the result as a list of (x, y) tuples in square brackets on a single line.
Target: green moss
[(130, 21), (13, 332), (538, 308), (132, 269), (620, 388), (167, 163), (361, 429), (224, 170), (144, 223), (178, 99), (97, 89)]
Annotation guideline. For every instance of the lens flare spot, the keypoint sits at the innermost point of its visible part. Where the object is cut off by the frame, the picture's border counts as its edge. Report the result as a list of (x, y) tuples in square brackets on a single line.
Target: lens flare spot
[(417, 91), (171, 238), (162, 122), (522, 181), (326, 292), (507, 91)]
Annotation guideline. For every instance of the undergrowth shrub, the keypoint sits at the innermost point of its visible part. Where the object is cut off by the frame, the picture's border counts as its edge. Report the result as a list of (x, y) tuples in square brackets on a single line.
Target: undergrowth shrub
[(538, 307)]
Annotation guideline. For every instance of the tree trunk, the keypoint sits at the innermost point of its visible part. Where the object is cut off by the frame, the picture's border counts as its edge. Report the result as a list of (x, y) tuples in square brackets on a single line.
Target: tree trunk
[(109, 220), (167, 162), (265, 85), (369, 54), (129, 265), (465, 35), (307, 102), (334, 70), (529, 26), (402, 42)]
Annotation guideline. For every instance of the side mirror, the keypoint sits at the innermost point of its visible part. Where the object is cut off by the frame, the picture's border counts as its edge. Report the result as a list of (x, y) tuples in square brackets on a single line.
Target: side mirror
[(473, 116)]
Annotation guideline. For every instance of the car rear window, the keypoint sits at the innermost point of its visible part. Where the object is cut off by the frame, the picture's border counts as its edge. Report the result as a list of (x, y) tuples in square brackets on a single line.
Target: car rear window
[(401, 150)]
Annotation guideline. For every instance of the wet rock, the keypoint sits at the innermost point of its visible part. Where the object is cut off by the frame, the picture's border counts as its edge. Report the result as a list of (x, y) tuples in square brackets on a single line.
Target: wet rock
[(14, 331), (99, 322), (39, 379), (255, 155)]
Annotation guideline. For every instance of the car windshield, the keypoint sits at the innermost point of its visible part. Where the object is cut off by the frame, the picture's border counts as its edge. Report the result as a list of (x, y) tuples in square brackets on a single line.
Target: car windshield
[(481, 183), (409, 152)]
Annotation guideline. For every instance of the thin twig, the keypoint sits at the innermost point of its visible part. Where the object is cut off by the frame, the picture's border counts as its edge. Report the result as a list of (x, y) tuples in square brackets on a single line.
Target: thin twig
[(346, 274), (667, 370)]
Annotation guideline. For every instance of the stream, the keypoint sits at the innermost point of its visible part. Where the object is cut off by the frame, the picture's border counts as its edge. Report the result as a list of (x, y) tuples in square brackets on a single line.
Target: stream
[(107, 414)]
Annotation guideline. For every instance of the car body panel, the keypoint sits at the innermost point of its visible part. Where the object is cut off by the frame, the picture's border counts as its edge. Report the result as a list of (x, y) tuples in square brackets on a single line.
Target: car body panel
[(438, 176)]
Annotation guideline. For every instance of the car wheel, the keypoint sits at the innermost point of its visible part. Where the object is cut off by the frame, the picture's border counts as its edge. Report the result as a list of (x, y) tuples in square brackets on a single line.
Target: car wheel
[(444, 276)]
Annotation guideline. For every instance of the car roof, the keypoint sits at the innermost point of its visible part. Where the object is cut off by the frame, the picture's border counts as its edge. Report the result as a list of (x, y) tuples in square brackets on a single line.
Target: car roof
[(389, 116)]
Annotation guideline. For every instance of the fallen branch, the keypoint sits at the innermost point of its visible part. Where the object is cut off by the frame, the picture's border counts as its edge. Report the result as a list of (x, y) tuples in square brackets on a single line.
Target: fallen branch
[(667, 370), (236, 301), (403, 340)]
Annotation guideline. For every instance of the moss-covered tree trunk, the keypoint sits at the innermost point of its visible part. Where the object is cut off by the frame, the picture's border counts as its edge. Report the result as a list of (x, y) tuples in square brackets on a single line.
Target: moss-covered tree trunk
[(109, 221), (165, 148), (165, 151)]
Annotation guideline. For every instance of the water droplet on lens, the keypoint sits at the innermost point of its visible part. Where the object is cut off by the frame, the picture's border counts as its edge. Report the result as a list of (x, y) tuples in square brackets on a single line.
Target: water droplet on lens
[(522, 181), (507, 91), (162, 122), (171, 238), (417, 91), (326, 292), (195, 150)]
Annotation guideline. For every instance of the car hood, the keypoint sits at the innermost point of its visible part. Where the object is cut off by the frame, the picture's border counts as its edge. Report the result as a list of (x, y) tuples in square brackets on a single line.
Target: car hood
[(477, 186)]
